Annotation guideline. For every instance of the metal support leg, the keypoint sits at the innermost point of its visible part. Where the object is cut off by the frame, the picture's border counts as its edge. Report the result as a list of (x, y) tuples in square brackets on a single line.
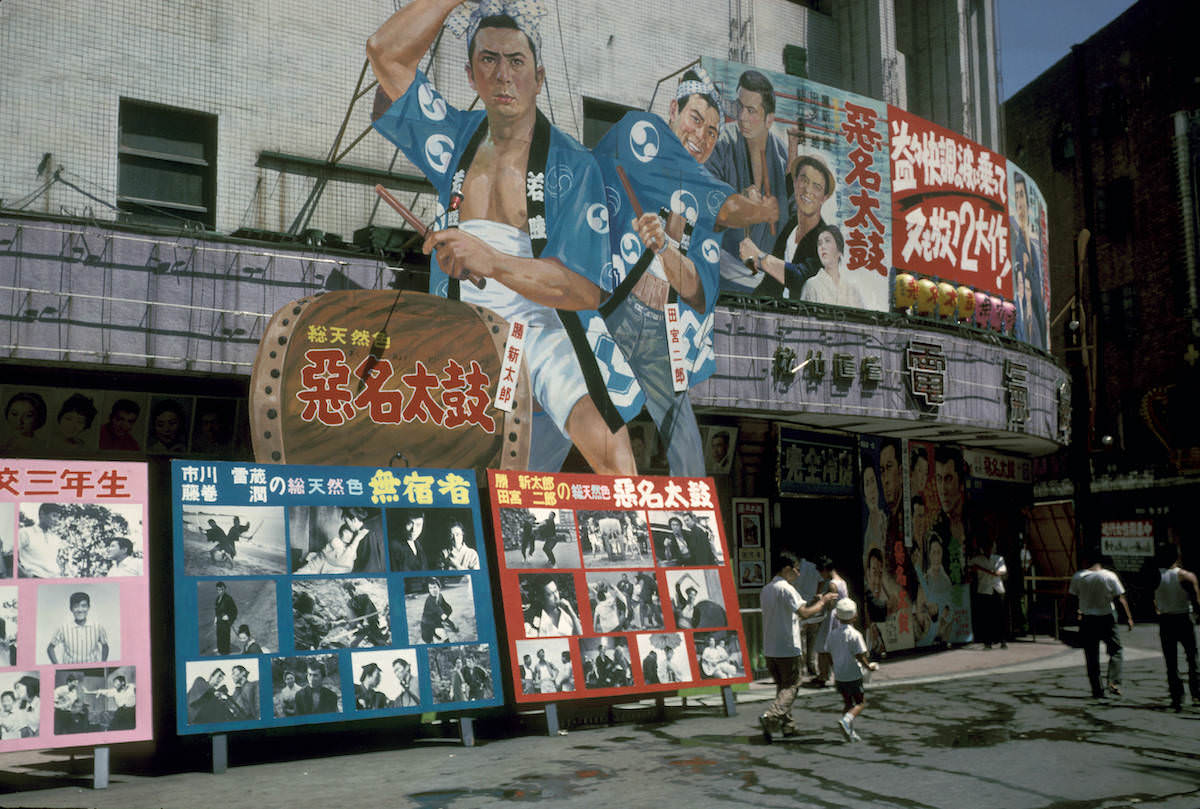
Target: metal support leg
[(729, 699), (220, 753), (551, 719), (466, 727), (100, 771)]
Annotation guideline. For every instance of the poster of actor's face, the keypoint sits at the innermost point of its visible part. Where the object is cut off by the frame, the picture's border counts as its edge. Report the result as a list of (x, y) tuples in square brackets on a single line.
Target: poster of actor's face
[(68, 422), (836, 188), (653, 575), (328, 593), (1030, 258), (890, 581), (719, 445), (74, 605)]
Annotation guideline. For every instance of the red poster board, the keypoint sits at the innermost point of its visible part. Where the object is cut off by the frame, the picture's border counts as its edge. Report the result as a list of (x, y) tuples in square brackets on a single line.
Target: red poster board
[(949, 206), (614, 585)]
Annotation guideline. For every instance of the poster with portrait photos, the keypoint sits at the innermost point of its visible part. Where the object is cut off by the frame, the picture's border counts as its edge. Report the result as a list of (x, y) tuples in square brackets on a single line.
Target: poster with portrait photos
[(307, 594), (719, 443), (752, 537), (74, 604), (614, 585)]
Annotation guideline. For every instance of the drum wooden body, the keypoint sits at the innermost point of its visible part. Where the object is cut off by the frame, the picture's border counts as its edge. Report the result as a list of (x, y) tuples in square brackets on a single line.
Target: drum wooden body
[(327, 384)]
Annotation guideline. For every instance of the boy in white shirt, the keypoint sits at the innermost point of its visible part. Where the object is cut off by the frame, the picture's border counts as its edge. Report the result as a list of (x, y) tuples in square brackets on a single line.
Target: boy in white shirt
[(849, 651)]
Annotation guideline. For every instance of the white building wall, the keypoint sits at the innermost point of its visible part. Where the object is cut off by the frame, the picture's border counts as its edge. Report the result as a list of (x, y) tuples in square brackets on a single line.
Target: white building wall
[(279, 75)]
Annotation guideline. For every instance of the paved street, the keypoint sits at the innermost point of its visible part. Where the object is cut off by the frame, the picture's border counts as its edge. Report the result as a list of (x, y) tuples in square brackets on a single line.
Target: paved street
[(1008, 728)]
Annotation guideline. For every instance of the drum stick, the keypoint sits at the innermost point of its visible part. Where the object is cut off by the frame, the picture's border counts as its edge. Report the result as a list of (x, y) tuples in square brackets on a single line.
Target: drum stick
[(633, 200), (411, 218)]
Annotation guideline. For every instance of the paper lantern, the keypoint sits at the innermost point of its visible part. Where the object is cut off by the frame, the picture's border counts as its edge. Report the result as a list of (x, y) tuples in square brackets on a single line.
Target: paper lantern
[(905, 290), (927, 297), (947, 297), (983, 309), (994, 318), (1008, 317), (966, 304)]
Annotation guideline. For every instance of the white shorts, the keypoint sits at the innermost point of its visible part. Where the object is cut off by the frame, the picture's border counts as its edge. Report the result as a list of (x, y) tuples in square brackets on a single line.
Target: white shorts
[(554, 370)]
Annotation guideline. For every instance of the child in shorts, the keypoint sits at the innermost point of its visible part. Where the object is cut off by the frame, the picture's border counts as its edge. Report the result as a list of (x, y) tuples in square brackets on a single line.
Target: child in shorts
[(849, 651)]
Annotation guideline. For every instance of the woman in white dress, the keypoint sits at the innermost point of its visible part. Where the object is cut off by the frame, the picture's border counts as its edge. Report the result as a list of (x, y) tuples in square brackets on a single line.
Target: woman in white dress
[(832, 284)]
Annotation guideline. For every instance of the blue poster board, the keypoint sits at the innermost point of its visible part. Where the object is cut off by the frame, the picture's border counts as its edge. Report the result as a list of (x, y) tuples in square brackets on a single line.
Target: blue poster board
[(308, 594)]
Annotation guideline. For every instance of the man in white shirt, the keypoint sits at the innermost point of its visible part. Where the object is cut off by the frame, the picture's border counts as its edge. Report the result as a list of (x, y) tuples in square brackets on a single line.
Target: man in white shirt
[(782, 609), (1096, 588), (119, 551), (990, 573), (38, 546)]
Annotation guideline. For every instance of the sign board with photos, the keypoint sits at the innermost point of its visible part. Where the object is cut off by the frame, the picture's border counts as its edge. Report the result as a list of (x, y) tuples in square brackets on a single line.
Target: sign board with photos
[(614, 585), (74, 604), (307, 594), (752, 531)]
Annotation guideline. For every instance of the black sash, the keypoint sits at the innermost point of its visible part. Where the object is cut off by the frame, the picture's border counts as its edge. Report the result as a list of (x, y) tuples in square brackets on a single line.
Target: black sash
[(626, 286), (535, 206)]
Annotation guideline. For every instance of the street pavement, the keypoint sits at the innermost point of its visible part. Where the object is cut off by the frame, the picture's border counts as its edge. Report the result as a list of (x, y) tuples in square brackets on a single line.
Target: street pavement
[(1006, 728)]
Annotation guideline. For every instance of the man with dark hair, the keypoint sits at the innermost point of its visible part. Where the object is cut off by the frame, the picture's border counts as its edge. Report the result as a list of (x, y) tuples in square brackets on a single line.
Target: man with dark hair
[(70, 711), (1097, 589), (666, 262), (538, 245), (119, 551), (124, 697), (38, 546), (795, 256), (225, 612), (782, 609), (752, 159), (1177, 595), (364, 617), (950, 478), (408, 552), (243, 702), (367, 696), (117, 432), (1027, 269), (315, 697), (435, 614), (408, 696), (547, 532), (81, 640)]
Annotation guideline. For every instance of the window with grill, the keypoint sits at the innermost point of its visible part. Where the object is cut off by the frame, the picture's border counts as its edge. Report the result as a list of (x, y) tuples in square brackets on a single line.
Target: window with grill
[(167, 161)]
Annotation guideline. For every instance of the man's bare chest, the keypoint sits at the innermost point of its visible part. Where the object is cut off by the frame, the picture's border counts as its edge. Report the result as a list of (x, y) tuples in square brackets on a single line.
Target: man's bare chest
[(494, 188)]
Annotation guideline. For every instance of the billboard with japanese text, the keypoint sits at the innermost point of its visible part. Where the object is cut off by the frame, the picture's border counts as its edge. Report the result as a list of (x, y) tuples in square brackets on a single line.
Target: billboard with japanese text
[(614, 585), (837, 144), (74, 604), (308, 594)]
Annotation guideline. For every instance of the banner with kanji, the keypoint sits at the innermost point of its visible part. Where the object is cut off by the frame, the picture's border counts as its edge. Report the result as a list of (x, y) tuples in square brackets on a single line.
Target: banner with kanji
[(834, 138), (308, 594), (949, 206), (614, 585), (74, 604)]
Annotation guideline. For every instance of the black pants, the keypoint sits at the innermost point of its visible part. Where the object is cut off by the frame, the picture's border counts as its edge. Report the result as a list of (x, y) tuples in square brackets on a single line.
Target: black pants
[(991, 618), (1092, 630), (1173, 630)]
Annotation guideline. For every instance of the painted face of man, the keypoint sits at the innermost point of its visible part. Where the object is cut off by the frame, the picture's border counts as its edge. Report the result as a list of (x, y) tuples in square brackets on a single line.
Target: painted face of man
[(696, 126), (753, 119), (811, 191), (889, 472), (504, 74), (949, 486), (121, 423)]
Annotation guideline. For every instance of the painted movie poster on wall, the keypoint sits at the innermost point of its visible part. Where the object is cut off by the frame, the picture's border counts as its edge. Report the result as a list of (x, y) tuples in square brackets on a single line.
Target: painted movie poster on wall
[(308, 594), (938, 554), (1030, 258), (614, 585), (887, 613), (840, 143), (74, 604), (949, 206)]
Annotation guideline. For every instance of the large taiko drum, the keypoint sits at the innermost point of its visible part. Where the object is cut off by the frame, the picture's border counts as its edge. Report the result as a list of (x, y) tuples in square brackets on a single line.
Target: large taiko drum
[(380, 378)]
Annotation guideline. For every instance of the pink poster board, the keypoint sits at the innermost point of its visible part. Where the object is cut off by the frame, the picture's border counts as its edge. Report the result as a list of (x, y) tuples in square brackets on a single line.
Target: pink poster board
[(74, 604)]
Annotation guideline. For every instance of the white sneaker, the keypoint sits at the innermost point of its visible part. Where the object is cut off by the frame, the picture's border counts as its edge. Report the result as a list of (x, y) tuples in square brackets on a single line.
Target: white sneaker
[(847, 731), (854, 737)]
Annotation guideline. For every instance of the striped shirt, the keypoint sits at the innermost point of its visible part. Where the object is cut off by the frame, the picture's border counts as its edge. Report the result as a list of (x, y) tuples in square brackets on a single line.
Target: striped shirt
[(81, 643)]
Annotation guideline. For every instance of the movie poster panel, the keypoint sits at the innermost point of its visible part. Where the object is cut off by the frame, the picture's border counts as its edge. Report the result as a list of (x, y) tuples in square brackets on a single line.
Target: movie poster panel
[(614, 585), (308, 594), (887, 613), (752, 534), (1030, 258), (74, 604), (949, 206), (841, 140), (942, 601)]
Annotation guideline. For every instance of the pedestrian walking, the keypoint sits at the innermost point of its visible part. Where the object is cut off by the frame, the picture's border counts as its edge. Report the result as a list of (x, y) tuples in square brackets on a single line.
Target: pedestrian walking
[(990, 572), (1177, 601), (848, 649), (782, 609), (1097, 588)]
